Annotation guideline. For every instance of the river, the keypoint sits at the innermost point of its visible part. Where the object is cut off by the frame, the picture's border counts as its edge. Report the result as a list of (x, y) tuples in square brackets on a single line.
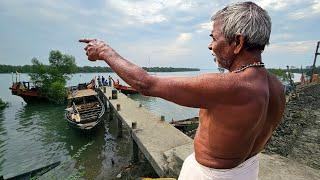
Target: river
[(33, 136)]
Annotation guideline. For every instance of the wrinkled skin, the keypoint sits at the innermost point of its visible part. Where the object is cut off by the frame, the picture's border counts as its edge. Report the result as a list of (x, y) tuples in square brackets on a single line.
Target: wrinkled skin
[(238, 111)]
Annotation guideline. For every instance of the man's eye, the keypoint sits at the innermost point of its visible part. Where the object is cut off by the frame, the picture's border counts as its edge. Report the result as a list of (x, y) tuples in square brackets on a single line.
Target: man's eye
[(212, 37)]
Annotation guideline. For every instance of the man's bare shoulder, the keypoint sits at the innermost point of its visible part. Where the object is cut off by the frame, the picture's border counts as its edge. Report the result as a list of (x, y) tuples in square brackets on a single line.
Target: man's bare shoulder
[(274, 82), (234, 88)]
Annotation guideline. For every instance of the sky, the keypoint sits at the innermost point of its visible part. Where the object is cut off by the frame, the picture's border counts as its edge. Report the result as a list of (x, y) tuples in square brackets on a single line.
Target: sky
[(167, 33)]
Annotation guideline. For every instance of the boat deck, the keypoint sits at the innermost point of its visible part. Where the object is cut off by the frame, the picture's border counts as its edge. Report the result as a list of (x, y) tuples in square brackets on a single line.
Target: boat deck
[(82, 93)]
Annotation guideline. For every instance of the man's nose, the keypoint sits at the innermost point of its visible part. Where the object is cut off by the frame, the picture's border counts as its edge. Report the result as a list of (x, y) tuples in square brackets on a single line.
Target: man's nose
[(210, 47)]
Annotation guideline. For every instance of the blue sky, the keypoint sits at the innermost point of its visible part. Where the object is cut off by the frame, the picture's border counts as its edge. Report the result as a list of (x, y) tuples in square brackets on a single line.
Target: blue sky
[(171, 32)]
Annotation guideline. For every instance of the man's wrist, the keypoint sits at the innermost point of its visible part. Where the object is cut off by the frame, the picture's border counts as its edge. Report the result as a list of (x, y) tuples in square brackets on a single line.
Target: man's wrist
[(108, 55)]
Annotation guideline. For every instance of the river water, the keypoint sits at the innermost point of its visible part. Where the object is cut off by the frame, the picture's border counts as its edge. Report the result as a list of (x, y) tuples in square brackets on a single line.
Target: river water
[(33, 136)]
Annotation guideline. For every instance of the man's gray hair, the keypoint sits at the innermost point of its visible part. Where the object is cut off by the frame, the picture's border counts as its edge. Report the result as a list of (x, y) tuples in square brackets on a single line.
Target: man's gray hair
[(247, 19)]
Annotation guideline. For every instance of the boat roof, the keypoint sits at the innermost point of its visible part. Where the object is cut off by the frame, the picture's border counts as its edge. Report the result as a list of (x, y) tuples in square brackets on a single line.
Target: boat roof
[(82, 93)]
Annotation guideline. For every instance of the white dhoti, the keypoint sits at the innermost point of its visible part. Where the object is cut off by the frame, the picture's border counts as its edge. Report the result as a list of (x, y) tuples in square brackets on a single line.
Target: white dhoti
[(192, 170)]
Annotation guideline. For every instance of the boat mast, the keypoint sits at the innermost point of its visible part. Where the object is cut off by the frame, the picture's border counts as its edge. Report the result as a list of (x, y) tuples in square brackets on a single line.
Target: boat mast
[(16, 76), (12, 77)]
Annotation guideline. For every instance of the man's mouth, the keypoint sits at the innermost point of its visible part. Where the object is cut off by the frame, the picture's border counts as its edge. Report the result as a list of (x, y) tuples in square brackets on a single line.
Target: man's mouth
[(214, 56)]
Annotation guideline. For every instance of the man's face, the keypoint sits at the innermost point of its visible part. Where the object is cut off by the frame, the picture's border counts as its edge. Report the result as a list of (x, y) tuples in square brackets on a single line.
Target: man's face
[(220, 48)]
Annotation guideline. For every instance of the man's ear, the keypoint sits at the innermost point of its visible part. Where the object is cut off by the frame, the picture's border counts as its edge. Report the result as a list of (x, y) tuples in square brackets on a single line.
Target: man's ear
[(239, 40)]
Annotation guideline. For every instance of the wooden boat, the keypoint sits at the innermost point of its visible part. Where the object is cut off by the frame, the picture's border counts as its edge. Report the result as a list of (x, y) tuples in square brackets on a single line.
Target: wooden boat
[(124, 89), (85, 109), (30, 93), (187, 124)]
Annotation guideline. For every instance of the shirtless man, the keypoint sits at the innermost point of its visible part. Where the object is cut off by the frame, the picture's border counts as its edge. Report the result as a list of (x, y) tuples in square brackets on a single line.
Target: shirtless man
[(239, 110)]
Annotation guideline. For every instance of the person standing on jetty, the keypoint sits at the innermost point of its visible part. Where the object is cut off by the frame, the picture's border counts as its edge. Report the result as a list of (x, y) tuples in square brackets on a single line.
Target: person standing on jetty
[(239, 110)]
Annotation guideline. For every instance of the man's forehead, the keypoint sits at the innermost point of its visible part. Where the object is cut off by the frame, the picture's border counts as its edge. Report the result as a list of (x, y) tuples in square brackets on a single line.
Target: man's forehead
[(215, 26)]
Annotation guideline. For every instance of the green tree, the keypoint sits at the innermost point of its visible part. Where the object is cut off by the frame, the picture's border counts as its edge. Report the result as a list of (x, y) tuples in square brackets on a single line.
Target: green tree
[(281, 73), (53, 77), (3, 104)]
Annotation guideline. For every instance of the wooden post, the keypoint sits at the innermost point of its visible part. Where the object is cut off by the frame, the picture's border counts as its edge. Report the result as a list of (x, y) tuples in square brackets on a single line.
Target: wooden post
[(134, 125), (114, 94)]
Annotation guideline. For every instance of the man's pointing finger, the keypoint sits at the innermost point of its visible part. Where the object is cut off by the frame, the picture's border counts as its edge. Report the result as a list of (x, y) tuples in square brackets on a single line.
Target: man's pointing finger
[(86, 40)]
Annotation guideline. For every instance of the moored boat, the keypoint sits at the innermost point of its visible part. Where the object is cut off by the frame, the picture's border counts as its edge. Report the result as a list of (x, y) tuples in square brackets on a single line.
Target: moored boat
[(187, 124), (124, 89), (29, 92), (85, 109)]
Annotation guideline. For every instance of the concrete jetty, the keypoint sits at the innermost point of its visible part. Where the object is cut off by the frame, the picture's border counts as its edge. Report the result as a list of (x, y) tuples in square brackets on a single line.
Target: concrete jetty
[(165, 147)]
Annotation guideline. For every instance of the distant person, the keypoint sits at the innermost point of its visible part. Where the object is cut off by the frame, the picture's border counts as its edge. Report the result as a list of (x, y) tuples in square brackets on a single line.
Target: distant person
[(96, 85), (110, 81), (99, 81), (102, 80), (239, 109), (91, 85)]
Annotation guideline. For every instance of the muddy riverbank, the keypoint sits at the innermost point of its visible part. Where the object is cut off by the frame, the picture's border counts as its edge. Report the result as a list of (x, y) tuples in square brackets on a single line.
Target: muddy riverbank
[(298, 135)]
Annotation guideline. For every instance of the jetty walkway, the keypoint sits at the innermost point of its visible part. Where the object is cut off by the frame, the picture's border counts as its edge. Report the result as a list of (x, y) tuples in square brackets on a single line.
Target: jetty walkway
[(165, 147)]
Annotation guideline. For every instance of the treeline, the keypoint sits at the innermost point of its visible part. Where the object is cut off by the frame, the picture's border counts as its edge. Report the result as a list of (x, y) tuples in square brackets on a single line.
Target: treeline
[(89, 69), (306, 71)]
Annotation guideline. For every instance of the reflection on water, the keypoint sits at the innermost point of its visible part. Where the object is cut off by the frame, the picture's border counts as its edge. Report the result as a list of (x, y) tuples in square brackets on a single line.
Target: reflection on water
[(3, 133), (36, 135)]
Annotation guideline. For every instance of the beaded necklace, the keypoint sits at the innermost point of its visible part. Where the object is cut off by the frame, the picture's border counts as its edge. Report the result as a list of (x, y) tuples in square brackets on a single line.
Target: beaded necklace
[(244, 67)]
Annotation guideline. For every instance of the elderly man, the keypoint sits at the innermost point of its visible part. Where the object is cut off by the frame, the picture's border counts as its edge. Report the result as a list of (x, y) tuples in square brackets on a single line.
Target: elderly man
[(239, 110)]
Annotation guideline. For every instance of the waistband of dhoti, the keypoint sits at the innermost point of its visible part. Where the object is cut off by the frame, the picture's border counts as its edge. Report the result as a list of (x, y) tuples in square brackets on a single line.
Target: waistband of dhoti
[(249, 165)]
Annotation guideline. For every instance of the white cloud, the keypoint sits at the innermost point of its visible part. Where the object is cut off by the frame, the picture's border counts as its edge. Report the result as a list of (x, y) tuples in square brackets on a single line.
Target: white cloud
[(316, 6), (150, 12), (204, 27), (293, 47), (183, 37), (142, 11), (57, 10), (281, 37), (274, 4), (313, 10)]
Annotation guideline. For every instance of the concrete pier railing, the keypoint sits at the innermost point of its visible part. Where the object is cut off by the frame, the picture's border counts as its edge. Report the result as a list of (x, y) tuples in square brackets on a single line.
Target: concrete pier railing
[(165, 147)]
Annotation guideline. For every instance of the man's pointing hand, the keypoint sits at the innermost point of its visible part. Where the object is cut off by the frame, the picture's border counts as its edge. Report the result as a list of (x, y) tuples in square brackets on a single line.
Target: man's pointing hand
[(95, 49)]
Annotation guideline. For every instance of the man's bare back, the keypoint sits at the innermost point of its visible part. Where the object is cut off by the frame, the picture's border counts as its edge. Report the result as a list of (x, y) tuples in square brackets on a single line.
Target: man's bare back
[(238, 128)]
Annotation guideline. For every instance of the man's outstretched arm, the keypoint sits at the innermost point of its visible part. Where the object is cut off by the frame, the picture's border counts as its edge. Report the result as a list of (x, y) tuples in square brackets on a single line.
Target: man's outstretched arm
[(186, 91)]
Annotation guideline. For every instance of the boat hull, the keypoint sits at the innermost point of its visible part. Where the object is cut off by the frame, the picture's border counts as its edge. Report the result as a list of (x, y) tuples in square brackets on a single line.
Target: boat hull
[(29, 95), (128, 91), (125, 89), (85, 127)]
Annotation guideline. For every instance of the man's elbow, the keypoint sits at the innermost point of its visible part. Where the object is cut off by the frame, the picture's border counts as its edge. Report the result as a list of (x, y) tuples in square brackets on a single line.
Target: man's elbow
[(146, 85)]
